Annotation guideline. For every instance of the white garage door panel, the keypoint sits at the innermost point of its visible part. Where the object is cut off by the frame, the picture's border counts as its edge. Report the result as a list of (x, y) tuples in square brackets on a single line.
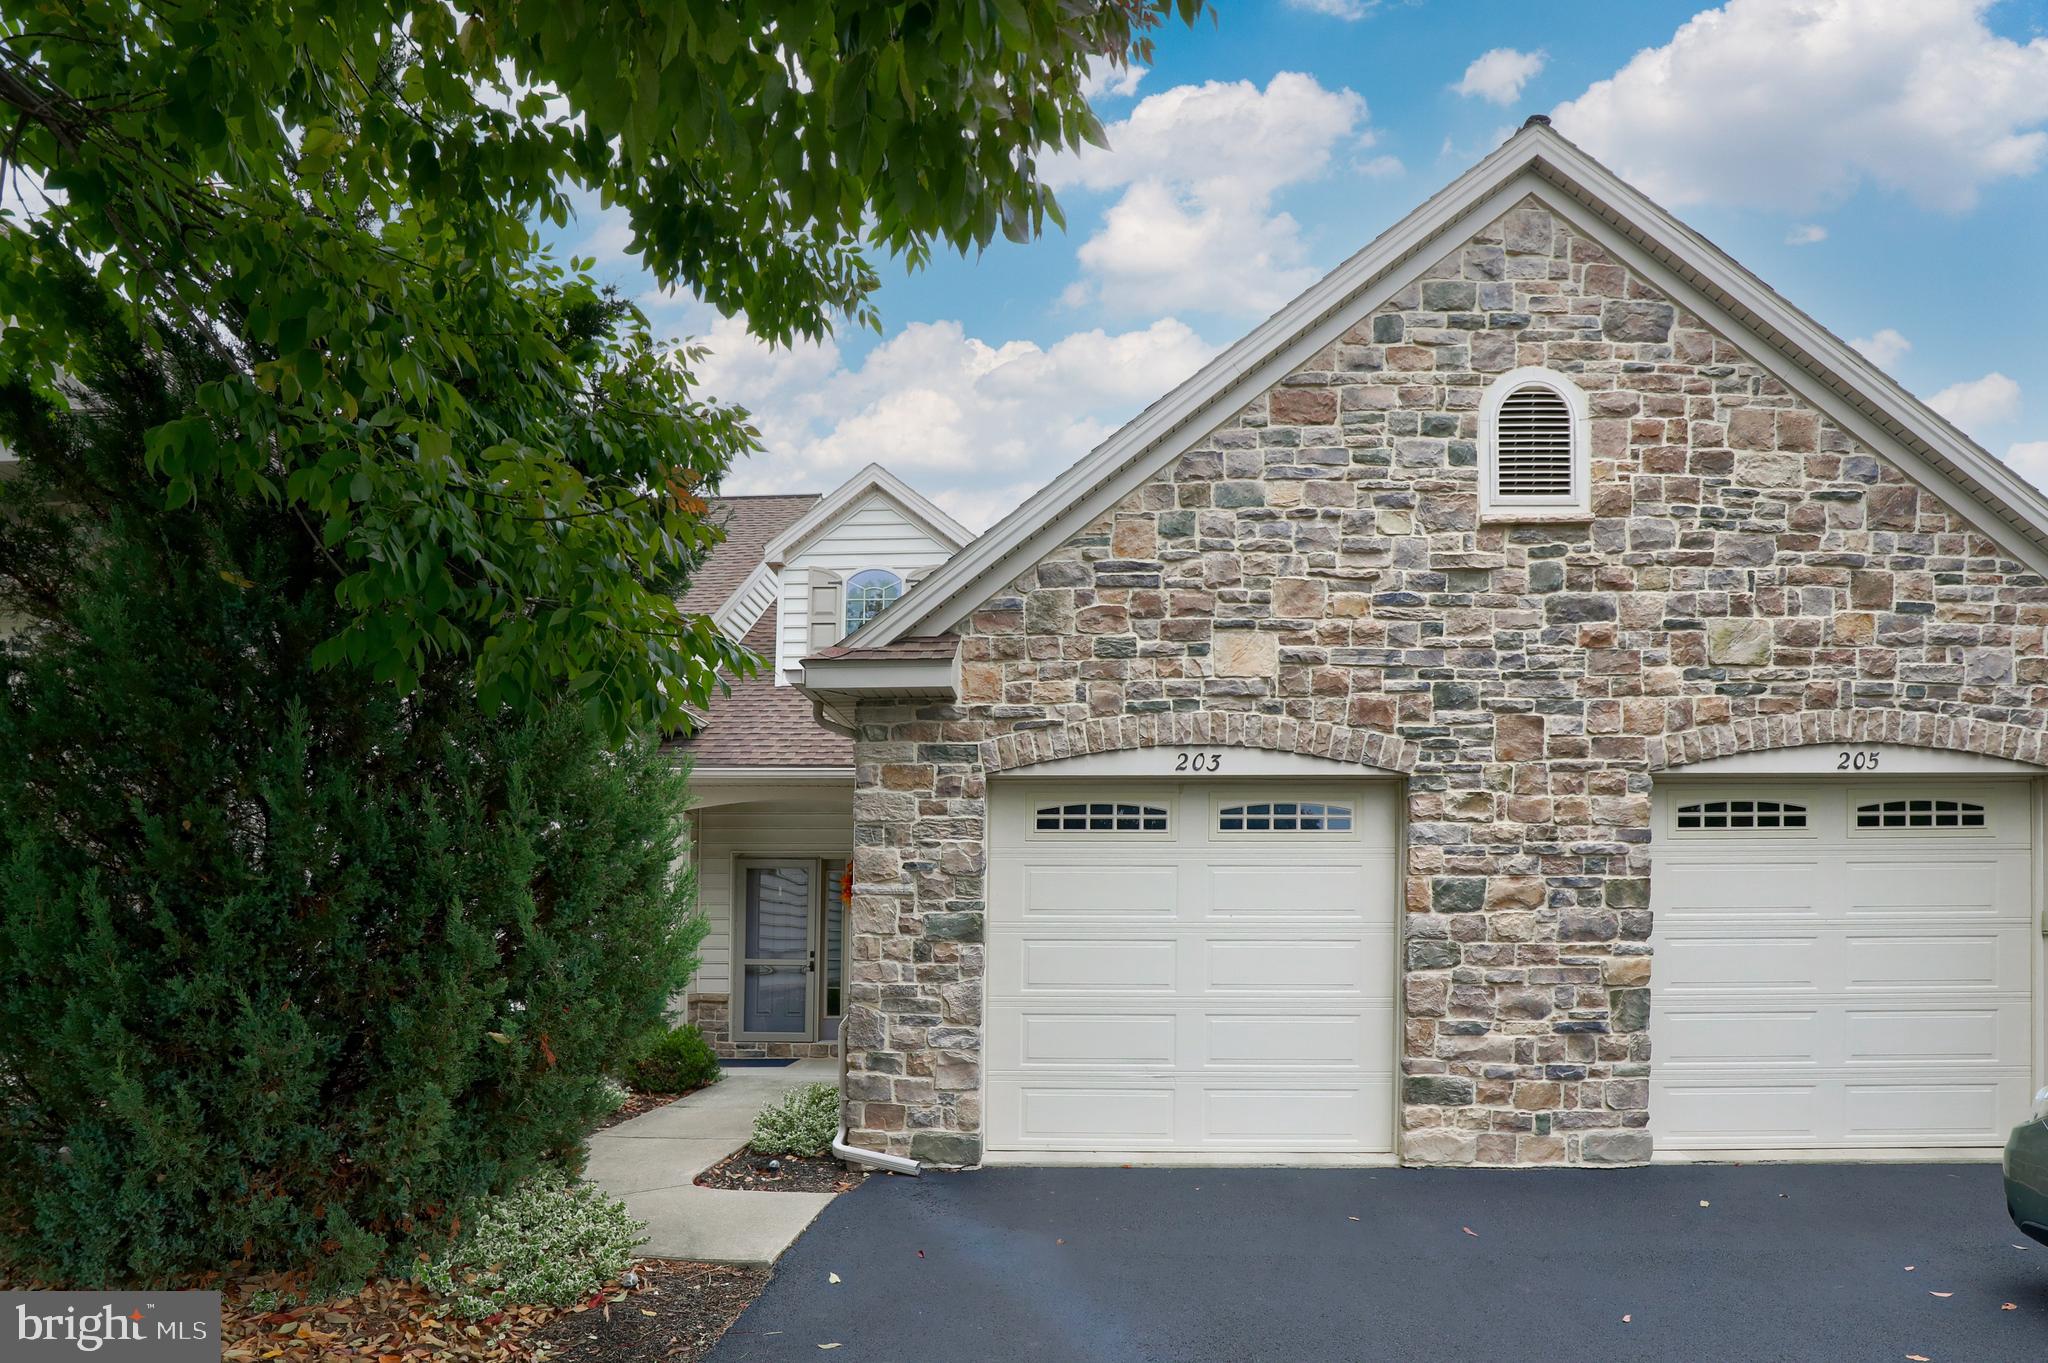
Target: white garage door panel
[(1314, 965), (1266, 892), (1837, 987), (1059, 965), (1097, 891), (1029, 1036), (1296, 1040), (1191, 1115), (1249, 1009), (1096, 1039)]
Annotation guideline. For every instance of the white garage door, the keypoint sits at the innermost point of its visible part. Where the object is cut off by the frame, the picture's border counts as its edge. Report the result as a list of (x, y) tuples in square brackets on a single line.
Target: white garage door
[(1841, 966), (1198, 969)]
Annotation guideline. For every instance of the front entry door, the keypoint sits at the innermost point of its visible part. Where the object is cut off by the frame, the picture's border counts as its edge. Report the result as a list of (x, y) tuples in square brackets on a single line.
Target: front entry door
[(778, 978)]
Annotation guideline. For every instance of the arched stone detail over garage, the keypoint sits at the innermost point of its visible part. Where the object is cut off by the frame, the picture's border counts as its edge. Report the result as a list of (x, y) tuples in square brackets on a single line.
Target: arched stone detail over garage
[(1813, 728), (1227, 729)]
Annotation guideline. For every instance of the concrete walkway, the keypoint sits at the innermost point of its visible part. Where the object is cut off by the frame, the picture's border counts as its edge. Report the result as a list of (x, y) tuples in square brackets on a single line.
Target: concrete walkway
[(650, 1161)]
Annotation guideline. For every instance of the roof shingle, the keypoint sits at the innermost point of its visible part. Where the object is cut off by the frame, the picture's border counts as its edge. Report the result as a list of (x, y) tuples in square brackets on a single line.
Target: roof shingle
[(764, 725), (750, 522)]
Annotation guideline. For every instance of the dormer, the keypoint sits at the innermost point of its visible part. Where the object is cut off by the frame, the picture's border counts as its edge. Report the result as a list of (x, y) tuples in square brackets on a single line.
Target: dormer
[(849, 558)]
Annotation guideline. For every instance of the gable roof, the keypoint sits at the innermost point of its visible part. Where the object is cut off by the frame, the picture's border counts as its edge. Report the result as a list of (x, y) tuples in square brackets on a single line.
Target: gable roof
[(1814, 363), (750, 522), (872, 479)]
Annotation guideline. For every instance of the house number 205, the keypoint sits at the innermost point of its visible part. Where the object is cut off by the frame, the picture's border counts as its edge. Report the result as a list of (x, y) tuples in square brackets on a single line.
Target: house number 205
[(1198, 761), (1860, 759)]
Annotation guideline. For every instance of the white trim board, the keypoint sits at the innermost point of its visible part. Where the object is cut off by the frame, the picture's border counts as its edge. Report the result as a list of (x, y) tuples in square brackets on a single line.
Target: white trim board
[(1195, 762), (874, 478), (1852, 760), (1819, 366)]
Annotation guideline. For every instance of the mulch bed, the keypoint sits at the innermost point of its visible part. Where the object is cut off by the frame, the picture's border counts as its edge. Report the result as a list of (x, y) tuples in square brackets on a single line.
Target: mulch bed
[(674, 1312), (639, 1104), (675, 1316), (794, 1174)]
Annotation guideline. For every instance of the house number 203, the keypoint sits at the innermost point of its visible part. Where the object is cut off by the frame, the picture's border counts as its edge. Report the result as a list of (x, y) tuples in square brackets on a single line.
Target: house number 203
[(1198, 761), (1856, 759)]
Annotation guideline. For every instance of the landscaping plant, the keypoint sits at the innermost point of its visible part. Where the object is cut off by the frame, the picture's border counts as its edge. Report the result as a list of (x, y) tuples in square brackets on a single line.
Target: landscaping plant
[(672, 1060), (802, 1122), (549, 1242), (294, 967), (352, 194)]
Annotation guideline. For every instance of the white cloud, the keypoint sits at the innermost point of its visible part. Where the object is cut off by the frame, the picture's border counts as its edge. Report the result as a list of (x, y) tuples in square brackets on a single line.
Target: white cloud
[(1107, 80), (2029, 459), (1806, 234), (1977, 403), (1337, 9), (977, 426), (1379, 167), (1498, 76), (1794, 105), (1884, 349), (1199, 167)]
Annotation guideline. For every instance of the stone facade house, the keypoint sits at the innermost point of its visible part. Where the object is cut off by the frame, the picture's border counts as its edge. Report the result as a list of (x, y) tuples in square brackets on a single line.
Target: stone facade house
[(1540, 698)]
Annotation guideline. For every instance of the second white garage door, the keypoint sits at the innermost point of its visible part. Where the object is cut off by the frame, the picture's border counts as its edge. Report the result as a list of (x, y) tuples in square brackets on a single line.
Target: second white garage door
[(1841, 966), (1190, 969)]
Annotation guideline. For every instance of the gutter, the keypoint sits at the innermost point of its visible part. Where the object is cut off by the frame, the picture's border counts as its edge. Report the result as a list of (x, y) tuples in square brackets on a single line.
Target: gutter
[(895, 1164), (825, 721)]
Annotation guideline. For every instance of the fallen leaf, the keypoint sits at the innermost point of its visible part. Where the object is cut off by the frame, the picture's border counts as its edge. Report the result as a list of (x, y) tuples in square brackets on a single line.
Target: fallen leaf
[(828, 1346), (1941, 1294), (1469, 1231), (1705, 1203), (920, 1254), (831, 1277), (2010, 1306), (645, 1312), (1909, 1268), (1916, 1358), (1350, 1218), (1059, 1242), (1626, 1319)]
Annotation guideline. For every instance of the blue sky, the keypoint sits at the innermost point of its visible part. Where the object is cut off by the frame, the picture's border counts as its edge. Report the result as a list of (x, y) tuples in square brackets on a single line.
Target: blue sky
[(1882, 163)]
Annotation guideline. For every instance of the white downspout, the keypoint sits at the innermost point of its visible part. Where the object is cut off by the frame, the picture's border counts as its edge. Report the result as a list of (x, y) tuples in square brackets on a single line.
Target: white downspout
[(895, 1164)]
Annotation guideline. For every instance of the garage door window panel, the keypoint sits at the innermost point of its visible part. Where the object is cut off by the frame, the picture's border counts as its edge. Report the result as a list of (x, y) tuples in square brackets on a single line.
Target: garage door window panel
[(1285, 816), (1924, 813), (1741, 816), (1100, 816)]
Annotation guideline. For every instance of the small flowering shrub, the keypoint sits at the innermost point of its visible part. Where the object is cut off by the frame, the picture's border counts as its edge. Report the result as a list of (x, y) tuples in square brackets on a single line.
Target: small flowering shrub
[(802, 1123), (549, 1242), (617, 1095)]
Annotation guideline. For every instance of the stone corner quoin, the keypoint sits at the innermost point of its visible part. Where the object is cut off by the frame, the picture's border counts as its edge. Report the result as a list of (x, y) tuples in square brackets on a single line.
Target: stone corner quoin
[(1313, 576)]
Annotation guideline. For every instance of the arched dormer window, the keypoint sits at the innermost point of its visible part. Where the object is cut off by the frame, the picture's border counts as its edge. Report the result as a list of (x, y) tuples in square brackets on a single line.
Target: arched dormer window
[(869, 593), (1534, 459)]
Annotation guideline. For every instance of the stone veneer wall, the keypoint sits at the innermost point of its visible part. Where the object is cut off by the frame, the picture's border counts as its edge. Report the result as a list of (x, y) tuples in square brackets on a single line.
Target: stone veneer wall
[(1314, 576), (711, 1014)]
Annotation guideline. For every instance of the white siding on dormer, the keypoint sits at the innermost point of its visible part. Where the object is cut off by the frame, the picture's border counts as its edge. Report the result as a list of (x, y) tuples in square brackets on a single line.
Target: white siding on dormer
[(872, 533)]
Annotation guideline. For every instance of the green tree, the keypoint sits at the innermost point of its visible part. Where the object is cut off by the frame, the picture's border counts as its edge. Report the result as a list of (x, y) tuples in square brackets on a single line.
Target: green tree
[(293, 968), (347, 192)]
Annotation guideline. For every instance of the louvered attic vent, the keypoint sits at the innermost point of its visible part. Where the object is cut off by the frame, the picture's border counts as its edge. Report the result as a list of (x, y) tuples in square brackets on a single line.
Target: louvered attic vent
[(1532, 451)]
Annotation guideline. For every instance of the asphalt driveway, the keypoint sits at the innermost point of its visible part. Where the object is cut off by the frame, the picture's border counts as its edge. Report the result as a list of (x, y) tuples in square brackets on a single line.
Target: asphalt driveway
[(1806, 1263)]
